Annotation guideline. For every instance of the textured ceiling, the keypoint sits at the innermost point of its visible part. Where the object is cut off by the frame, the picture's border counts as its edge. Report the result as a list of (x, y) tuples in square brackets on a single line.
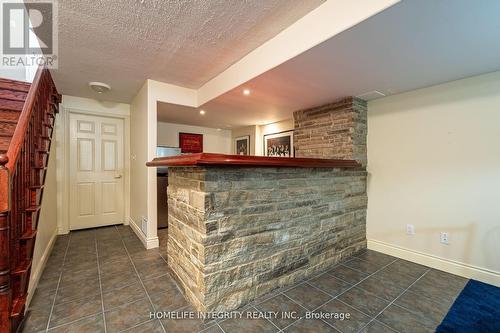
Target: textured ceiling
[(182, 42), (411, 45)]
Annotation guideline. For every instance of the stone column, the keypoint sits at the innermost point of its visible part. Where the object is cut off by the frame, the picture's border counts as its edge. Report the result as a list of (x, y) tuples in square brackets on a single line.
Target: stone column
[(335, 130), (237, 233)]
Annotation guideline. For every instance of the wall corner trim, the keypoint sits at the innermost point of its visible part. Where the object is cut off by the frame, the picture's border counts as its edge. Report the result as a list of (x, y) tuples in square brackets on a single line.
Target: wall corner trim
[(149, 243), (447, 265), (62, 231)]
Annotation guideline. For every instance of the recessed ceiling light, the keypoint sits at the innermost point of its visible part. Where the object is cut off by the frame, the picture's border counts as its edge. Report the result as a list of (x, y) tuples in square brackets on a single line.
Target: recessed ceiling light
[(218, 129), (99, 87), (246, 92), (202, 112)]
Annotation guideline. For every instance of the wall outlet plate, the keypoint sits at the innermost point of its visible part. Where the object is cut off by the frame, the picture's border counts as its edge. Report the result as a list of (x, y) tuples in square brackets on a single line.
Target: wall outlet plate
[(444, 238), (410, 229), (144, 225)]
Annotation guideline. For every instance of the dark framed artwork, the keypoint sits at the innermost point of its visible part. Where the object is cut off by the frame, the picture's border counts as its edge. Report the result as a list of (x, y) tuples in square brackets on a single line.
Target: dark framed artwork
[(242, 145), (279, 144), (191, 142)]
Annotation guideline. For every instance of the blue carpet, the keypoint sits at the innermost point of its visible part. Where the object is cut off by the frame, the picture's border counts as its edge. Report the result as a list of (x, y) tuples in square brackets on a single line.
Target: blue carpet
[(476, 310)]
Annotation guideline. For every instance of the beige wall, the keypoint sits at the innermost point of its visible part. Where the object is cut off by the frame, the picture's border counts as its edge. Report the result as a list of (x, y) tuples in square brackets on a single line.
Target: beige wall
[(214, 141), (143, 138), (139, 157), (73, 104), (280, 126), (250, 131), (257, 133), (47, 224), (83, 105), (434, 162)]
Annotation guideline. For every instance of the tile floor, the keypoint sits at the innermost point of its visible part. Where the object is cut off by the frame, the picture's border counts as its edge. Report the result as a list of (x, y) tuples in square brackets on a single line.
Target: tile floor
[(103, 280)]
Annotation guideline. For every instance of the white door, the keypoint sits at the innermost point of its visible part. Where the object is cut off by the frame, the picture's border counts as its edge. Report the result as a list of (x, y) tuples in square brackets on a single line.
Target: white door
[(96, 171)]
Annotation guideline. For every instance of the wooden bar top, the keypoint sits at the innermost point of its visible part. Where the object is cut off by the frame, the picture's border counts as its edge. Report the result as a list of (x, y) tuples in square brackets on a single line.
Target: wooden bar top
[(208, 159)]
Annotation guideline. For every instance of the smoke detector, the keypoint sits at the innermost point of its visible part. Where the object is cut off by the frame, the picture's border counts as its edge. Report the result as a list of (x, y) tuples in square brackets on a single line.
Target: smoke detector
[(99, 87)]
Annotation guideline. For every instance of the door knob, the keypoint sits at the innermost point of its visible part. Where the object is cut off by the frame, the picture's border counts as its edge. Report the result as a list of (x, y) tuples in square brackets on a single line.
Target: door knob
[(118, 177)]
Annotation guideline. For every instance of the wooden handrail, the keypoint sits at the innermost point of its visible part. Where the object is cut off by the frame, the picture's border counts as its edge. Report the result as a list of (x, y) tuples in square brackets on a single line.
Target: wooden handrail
[(23, 122)]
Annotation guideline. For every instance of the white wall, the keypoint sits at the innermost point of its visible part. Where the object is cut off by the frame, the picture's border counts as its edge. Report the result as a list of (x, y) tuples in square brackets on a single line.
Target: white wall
[(20, 72), (434, 162), (139, 156), (47, 224), (214, 141)]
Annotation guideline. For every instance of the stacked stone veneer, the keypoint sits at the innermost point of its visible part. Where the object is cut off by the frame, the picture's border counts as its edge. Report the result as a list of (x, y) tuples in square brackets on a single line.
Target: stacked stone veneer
[(237, 233), (335, 130)]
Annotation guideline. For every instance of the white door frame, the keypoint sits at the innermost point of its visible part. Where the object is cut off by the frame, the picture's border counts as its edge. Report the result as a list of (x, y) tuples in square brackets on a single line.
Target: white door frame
[(63, 153)]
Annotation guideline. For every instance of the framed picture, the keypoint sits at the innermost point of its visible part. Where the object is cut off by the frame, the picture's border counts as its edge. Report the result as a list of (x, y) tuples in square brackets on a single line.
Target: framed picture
[(242, 145), (191, 142), (279, 144)]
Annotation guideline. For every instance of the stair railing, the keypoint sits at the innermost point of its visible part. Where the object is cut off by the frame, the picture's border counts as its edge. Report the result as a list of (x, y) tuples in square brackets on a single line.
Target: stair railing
[(22, 175)]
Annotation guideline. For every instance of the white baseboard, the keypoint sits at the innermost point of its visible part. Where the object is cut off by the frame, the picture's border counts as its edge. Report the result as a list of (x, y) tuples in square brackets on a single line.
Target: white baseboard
[(62, 231), (149, 243), (37, 273), (447, 265)]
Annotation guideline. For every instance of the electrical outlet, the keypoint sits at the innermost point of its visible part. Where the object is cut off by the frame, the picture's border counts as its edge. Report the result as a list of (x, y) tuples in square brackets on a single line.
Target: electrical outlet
[(144, 225), (444, 238), (410, 229)]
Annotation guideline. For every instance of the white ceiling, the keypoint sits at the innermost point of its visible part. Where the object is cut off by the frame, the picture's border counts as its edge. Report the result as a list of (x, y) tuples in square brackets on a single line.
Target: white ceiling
[(411, 45), (186, 43)]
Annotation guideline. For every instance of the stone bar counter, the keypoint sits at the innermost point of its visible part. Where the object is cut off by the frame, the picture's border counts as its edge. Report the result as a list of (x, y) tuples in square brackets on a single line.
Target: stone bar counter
[(242, 226)]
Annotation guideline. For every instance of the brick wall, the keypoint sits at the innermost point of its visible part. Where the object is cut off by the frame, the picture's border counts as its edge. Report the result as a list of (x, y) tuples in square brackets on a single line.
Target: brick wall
[(335, 130)]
